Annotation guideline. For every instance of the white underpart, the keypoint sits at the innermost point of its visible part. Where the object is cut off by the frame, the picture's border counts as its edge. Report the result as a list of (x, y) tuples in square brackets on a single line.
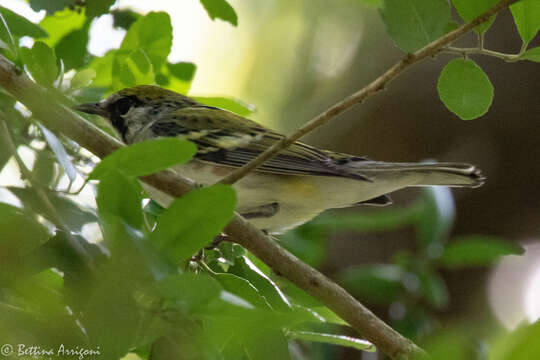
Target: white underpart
[(300, 198)]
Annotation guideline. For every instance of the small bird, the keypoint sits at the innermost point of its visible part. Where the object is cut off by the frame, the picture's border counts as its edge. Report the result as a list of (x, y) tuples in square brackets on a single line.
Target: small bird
[(293, 187)]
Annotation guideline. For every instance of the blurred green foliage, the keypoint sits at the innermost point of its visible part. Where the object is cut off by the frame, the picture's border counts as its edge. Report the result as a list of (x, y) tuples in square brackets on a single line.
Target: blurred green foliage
[(144, 284)]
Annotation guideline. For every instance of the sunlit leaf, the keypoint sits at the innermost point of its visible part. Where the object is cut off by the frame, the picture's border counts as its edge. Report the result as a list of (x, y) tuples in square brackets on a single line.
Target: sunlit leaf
[(20, 26), (83, 78), (465, 89), (41, 63), (236, 106), (413, 24), (146, 157), (60, 24), (520, 344), (153, 34), (132, 68), (220, 9)]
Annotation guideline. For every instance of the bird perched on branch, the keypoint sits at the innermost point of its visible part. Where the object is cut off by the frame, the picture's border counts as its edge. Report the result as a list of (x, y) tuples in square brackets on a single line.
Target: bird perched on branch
[(291, 188)]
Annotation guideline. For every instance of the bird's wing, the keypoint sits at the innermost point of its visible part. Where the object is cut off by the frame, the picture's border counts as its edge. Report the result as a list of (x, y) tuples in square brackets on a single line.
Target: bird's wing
[(228, 139)]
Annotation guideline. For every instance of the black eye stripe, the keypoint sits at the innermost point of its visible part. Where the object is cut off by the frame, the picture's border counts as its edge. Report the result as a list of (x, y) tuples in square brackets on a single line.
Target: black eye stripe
[(123, 105)]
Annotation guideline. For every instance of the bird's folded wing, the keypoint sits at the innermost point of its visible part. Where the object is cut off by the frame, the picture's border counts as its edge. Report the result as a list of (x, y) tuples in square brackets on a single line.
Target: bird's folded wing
[(228, 139)]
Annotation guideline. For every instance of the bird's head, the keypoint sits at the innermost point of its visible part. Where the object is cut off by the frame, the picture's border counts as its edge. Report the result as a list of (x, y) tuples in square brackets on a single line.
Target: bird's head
[(136, 106)]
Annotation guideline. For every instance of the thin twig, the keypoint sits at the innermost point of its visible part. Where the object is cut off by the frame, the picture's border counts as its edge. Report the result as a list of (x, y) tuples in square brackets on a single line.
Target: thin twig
[(371, 89), (40, 192), (482, 51)]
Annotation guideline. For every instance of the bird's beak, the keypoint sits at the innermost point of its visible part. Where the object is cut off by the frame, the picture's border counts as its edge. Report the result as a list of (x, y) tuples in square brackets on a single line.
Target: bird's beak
[(91, 108)]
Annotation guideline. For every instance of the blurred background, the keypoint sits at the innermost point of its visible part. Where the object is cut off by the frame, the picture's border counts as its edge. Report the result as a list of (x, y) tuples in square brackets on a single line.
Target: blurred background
[(292, 59)]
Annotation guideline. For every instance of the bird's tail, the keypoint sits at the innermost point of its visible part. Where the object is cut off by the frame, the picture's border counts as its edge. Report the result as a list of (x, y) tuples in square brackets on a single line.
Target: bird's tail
[(421, 174)]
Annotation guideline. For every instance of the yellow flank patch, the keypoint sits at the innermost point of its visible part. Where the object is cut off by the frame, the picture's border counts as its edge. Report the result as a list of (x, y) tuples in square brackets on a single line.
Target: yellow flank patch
[(300, 186)]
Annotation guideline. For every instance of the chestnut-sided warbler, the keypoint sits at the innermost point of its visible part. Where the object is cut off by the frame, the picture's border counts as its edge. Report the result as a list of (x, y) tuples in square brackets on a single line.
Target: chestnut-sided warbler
[(299, 183)]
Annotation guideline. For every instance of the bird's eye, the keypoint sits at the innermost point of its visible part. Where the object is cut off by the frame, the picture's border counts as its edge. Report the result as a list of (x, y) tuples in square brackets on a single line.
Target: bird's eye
[(123, 105)]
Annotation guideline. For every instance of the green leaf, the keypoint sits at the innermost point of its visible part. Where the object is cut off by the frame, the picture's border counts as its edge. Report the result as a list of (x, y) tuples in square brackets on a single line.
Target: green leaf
[(469, 10), (261, 341), (332, 339), (44, 170), (124, 18), (413, 24), (520, 344), (532, 54), (433, 288), (61, 154), (477, 251), (51, 6), (15, 242), (41, 63), (116, 303), (60, 24), (183, 70), (103, 67), (130, 69), (20, 26), (242, 288), (192, 221), (465, 89), (153, 34), (83, 78), (120, 196), (72, 214), (220, 9), (189, 292), (526, 15), (372, 3), (436, 218), (72, 48), (6, 38), (245, 269), (236, 106), (96, 8), (146, 157), (377, 283)]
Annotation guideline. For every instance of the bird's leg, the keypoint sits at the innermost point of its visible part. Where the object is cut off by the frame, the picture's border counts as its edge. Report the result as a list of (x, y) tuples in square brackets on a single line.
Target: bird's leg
[(263, 211)]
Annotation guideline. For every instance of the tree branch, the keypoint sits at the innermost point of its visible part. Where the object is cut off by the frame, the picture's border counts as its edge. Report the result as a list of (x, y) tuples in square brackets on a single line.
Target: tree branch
[(61, 119), (371, 89)]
